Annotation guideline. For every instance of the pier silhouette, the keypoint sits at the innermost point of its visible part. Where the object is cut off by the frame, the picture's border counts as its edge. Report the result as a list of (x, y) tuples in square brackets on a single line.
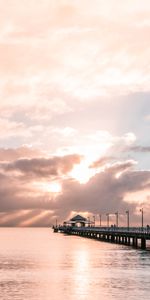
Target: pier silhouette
[(130, 236)]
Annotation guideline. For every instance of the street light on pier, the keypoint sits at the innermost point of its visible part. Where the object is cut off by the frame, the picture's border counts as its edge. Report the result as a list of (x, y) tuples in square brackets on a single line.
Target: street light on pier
[(89, 221), (107, 219), (94, 221), (117, 216), (142, 213), (127, 212), (100, 220)]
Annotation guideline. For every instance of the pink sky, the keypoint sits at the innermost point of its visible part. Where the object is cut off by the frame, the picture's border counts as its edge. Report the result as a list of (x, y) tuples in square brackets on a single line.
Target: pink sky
[(74, 110)]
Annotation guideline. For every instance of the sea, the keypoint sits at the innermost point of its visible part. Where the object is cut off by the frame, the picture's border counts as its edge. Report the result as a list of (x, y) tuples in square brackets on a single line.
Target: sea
[(37, 264)]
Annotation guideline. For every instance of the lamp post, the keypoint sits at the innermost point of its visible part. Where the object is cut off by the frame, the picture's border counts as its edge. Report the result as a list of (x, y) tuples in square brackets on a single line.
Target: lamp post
[(127, 212), (100, 220), (88, 221), (142, 213), (107, 219), (117, 215), (94, 221)]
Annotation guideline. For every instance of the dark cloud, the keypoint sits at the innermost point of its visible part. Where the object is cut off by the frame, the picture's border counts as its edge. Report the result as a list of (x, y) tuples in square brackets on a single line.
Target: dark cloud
[(42, 167), (139, 148), (15, 194), (121, 166), (22, 203), (103, 193), (17, 191)]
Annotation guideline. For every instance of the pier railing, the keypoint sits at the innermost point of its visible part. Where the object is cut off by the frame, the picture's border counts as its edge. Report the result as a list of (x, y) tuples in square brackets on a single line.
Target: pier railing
[(120, 235), (140, 230)]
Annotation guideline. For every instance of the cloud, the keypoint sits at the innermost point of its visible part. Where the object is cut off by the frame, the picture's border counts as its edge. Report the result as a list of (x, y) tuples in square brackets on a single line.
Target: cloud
[(101, 162), (9, 154), (139, 148), (66, 132), (105, 192), (42, 167), (12, 128), (72, 49), (21, 179)]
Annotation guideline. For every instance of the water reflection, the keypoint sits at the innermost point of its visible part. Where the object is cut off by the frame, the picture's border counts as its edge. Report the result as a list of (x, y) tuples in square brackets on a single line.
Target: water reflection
[(39, 265), (81, 273)]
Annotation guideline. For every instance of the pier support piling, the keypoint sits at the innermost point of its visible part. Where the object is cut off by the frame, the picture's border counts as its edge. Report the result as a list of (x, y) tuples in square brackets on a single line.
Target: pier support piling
[(143, 243)]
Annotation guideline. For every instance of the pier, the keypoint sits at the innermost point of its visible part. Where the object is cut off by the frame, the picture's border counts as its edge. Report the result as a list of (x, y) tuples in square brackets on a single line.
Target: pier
[(133, 236)]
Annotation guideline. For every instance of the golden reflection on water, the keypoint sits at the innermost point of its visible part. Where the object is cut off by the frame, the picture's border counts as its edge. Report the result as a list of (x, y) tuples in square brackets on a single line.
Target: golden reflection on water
[(81, 273)]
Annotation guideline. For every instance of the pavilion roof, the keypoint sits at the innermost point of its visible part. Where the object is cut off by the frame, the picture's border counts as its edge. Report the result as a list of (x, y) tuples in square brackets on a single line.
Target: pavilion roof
[(78, 218)]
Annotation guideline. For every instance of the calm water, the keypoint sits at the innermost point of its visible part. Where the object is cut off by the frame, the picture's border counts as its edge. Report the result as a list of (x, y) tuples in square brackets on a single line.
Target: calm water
[(37, 264)]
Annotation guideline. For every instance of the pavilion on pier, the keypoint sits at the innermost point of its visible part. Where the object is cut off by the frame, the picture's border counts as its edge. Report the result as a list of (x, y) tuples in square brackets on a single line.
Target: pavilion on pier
[(77, 221)]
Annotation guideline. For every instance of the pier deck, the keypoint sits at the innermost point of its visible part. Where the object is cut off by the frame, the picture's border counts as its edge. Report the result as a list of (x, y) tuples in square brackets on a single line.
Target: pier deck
[(133, 236)]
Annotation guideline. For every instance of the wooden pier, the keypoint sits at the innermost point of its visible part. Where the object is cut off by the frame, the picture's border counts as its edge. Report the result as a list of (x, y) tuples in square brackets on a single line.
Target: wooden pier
[(133, 236)]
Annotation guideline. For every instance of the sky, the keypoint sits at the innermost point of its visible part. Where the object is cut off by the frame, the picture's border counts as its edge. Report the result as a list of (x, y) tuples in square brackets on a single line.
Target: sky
[(74, 110)]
